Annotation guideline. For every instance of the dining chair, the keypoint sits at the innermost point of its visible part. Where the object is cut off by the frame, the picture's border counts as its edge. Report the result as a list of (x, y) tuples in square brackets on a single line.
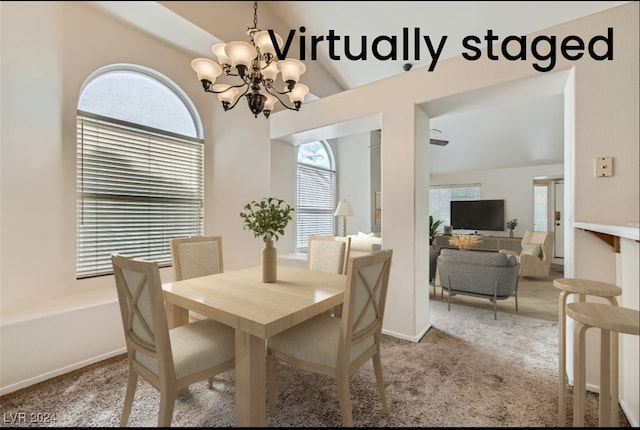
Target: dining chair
[(338, 347), (196, 256), (169, 359), (329, 253)]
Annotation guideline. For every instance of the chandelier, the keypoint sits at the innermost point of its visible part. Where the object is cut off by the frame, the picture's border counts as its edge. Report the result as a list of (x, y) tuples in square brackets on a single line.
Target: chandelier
[(256, 67)]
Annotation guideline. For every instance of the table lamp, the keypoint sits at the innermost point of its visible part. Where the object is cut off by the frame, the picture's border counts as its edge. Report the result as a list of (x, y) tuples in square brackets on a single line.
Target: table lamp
[(344, 210)]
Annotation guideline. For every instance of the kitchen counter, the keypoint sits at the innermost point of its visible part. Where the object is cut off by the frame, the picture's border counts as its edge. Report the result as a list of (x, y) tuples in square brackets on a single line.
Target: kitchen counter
[(629, 230)]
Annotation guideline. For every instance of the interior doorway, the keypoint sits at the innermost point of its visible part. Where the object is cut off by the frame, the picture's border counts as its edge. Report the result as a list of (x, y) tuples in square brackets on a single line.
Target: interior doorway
[(548, 206)]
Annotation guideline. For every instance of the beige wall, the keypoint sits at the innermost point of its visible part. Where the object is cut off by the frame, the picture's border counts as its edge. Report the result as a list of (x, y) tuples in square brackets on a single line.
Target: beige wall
[(48, 50)]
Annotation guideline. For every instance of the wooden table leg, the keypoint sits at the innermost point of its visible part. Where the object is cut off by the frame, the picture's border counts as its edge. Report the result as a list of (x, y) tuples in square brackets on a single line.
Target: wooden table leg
[(250, 380), (176, 315)]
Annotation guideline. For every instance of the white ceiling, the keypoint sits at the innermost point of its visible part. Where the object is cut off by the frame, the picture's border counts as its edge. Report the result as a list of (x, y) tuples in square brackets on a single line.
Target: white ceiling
[(485, 131)]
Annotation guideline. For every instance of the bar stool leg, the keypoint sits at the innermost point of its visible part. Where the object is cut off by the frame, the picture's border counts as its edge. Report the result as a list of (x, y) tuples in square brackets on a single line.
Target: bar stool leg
[(605, 381), (615, 419), (579, 373), (562, 372)]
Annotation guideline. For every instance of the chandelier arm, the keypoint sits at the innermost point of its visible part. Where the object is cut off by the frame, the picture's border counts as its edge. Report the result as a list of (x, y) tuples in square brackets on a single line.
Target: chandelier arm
[(238, 99), (228, 88), (287, 91), (275, 94)]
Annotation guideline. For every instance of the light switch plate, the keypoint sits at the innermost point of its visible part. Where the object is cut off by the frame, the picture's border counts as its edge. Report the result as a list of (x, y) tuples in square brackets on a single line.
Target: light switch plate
[(604, 166)]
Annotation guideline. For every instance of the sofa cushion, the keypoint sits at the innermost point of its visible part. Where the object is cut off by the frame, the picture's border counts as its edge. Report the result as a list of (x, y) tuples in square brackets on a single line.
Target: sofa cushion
[(531, 249), (480, 258), (364, 243)]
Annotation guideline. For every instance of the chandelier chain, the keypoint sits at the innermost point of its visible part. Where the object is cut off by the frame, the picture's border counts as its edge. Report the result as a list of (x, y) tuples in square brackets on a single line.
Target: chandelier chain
[(255, 14)]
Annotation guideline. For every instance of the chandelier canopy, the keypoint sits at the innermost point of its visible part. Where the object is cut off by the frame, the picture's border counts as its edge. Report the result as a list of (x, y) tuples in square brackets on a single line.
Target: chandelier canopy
[(256, 66)]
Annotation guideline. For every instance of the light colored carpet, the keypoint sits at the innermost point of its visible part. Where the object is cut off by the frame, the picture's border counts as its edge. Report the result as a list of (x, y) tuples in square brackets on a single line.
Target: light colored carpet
[(469, 370)]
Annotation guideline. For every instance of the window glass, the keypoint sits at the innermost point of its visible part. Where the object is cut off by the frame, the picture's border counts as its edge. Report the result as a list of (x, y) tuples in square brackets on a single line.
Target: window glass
[(140, 98)]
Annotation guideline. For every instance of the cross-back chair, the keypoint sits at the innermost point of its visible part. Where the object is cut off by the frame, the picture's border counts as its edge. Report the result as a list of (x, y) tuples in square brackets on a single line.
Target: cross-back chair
[(338, 347), (169, 359)]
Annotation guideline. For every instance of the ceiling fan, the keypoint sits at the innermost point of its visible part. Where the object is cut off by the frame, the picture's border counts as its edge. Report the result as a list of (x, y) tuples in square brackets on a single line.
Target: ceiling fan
[(438, 142), (432, 141)]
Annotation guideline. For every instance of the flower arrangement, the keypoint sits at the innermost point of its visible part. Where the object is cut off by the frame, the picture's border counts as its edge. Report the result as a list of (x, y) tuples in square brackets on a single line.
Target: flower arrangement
[(267, 218), (512, 224), (464, 241)]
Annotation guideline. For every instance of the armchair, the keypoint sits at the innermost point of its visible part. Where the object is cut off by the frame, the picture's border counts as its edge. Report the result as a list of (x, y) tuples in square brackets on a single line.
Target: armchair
[(535, 256)]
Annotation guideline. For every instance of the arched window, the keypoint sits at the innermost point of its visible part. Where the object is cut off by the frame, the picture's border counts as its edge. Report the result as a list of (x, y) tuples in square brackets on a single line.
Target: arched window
[(140, 168), (316, 192)]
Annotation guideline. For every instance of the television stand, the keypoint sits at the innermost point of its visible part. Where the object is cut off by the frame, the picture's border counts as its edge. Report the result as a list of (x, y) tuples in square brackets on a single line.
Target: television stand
[(489, 243)]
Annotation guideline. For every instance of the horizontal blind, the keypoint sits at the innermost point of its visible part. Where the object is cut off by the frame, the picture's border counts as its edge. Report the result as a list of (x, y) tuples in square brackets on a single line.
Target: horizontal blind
[(440, 200), (137, 188), (316, 197)]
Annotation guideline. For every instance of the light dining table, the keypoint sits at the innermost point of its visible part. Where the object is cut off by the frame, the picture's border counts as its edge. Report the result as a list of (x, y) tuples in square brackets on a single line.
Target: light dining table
[(256, 310)]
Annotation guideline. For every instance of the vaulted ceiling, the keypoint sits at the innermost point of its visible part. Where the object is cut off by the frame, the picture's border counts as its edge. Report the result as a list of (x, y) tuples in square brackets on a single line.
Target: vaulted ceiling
[(484, 130)]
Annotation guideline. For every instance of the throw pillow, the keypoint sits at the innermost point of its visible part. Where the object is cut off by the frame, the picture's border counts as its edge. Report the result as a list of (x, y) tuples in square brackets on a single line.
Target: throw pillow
[(531, 249)]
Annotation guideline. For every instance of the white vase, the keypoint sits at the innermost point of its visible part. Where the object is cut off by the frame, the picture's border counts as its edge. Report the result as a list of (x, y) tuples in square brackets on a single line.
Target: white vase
[(269, 262)]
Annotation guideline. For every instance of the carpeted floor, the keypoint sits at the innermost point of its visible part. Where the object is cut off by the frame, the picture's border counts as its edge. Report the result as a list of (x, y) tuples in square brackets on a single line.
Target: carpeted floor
[(470, 371)]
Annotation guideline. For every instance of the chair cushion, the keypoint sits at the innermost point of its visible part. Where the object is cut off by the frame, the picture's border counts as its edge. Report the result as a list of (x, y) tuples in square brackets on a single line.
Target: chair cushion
[(201, 345), (315, 340), (531, 249)]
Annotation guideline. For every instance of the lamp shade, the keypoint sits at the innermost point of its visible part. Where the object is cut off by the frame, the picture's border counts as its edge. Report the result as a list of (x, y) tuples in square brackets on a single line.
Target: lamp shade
[(271, 71), (227, 93), (298, 92), (291, 69), (218, 50), (270, 102), (240, 53), (262, 39), (206, 69), (344, 209)]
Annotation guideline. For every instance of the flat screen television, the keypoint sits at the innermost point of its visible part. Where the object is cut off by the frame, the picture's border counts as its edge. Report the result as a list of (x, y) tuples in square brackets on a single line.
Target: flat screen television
[(477, 215)]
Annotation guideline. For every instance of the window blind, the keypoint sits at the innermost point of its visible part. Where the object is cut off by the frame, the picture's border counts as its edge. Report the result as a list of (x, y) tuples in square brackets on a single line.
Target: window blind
[(316, 199), (440, 200), (137, 188)]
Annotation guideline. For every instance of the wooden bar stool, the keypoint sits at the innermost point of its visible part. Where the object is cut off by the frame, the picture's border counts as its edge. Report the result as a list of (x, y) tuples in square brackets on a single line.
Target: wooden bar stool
[(611, 319), (583, 288)]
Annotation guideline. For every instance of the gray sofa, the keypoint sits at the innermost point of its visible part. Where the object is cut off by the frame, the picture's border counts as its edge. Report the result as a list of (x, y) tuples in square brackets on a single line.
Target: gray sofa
[(490, 275)]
